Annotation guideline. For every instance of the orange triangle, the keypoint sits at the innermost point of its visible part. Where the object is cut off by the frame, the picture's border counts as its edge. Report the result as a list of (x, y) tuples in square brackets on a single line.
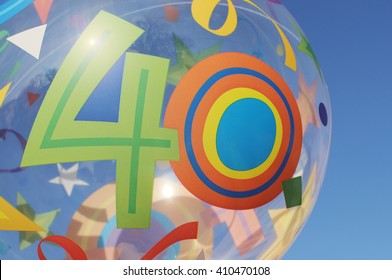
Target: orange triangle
[(32, 97), (12, 219), (43, 7), (3, 93)]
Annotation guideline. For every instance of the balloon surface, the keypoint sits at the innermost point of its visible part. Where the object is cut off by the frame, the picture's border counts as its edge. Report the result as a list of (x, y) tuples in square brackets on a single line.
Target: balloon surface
[(157, 129)]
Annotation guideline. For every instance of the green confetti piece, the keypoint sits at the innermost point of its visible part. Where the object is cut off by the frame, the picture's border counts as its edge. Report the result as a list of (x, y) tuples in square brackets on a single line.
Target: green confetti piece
[(292, 190)]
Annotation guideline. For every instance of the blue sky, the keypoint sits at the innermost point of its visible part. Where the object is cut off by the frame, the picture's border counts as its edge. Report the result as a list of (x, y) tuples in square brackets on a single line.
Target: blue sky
[(353, 43)]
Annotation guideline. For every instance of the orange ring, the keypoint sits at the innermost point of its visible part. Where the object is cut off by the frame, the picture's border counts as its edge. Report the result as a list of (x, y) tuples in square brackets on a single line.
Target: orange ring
[(181, 114)]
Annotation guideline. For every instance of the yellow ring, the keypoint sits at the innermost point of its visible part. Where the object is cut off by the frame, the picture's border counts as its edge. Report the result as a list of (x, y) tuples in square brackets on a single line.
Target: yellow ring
[(211, 128)]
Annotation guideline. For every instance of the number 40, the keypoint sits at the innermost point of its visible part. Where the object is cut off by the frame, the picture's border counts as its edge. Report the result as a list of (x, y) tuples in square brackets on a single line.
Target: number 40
[(135, 141)]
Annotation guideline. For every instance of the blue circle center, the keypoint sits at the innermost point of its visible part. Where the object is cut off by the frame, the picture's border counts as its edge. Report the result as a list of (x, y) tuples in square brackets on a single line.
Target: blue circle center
[(246, 134)]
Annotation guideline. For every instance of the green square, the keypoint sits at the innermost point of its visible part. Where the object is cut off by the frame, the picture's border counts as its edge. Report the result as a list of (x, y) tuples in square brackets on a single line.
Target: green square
[(292, 190)]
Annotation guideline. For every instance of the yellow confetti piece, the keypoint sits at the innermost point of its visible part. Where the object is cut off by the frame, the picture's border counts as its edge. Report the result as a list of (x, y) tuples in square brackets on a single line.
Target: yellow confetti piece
[(12, 219), (3, 93)]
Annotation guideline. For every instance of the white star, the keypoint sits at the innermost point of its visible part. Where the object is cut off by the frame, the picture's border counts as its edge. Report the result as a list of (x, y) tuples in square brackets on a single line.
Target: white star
[(68, 178)]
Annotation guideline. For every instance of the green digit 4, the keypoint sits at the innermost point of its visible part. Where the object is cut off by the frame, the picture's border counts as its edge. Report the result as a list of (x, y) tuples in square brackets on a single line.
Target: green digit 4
[(135, 141)]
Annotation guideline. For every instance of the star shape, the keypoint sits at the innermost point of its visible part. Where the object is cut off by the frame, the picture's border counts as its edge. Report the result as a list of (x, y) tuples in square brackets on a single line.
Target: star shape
[(186, 59), (45, 220), (305, 47), (288, 222), (306, 103), (68, 178)]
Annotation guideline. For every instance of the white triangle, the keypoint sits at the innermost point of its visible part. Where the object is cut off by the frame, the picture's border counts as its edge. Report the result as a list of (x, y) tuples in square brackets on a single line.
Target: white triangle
[(30, 40)]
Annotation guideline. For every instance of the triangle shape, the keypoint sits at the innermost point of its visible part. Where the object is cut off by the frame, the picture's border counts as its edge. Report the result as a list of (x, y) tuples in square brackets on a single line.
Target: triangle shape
[(104, 102), (30, 40), (43, 8), (32, 97), (3, 216), (3, 93), (15, 221)]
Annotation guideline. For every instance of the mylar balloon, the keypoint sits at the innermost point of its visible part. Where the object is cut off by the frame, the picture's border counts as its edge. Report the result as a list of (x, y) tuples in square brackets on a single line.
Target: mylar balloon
[(157, 129)]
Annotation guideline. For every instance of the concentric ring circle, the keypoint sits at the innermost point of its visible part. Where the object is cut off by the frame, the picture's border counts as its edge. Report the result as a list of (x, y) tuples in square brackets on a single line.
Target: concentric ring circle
[(191, 111), (211, 128)]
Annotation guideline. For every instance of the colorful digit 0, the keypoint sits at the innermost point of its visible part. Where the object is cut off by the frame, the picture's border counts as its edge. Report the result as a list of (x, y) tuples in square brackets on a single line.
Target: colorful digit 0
[(240, 131)]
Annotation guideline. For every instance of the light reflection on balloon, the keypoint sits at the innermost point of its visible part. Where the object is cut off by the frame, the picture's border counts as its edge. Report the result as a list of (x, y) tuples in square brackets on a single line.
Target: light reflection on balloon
[(239, 107)]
